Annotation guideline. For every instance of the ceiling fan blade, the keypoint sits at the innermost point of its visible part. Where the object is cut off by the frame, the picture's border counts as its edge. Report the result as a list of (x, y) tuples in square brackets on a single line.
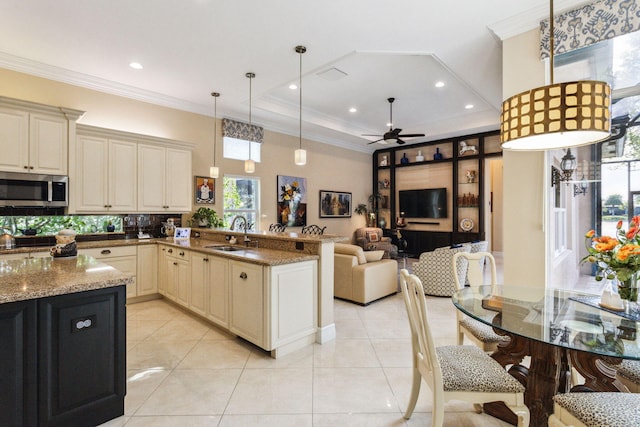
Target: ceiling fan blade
[(367, 134), (399, 141), (377, 140), (411, 135)]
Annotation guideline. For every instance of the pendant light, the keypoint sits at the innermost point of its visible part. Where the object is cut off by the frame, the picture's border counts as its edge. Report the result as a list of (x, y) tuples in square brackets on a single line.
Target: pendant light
[(559, 115), (214, 171), (300, 155), (249, 164)]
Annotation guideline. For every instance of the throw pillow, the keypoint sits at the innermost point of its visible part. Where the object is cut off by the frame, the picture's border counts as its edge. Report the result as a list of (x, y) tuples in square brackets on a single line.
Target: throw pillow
[(373, 256), (372, 236)]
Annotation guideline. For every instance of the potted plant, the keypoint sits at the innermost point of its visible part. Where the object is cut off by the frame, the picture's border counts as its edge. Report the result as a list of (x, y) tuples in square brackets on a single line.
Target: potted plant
[(369, 211), (206, 217)]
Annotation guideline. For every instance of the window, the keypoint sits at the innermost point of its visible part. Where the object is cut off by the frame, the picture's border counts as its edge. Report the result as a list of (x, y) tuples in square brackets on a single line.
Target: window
[(241, 196), (238, 149)]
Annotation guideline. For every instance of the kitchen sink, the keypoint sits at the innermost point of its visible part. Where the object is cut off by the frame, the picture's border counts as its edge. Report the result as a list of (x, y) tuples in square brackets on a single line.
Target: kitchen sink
[(225, 248)]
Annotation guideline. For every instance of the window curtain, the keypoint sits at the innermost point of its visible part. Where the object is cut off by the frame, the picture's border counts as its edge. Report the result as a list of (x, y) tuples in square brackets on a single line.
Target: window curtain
[(590, 24), (244, 131)]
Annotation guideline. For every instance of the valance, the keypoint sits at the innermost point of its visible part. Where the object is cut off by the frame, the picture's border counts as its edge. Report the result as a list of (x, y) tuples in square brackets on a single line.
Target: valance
[(244, 131), (590, 24)]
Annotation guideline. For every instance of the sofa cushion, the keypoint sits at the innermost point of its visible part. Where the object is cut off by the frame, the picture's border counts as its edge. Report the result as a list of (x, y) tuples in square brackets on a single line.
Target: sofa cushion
[(353, 250), (373, 256)]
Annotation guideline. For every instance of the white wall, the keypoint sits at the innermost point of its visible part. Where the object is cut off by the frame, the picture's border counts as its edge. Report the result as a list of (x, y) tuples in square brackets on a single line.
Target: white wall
[(328, 167)]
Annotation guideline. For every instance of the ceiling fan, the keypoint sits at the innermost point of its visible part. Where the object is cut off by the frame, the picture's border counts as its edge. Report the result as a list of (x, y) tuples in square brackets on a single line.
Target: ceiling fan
[(394, 135)]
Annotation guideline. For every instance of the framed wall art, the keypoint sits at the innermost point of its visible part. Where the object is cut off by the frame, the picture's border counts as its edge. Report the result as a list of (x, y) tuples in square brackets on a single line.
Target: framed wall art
[(205, 190), (335, 204), (292, 201)]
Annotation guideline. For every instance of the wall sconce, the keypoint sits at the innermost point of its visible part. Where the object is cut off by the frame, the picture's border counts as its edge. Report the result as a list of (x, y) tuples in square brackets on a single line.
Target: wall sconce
[(568, 165), (581, 187)]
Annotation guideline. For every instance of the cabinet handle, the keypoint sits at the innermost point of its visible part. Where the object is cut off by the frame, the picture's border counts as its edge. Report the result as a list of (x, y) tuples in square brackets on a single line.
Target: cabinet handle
[(164, 249), (30, 167), (105, 252), (105, 206), (181, 253), (243, 275), (175, 263), (26, 167), (205, 259), (170, 251)]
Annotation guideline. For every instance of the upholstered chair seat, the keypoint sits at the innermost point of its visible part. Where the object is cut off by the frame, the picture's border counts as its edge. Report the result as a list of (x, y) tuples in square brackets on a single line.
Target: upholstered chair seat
[(629, 374), (597, 409), (435, 271)]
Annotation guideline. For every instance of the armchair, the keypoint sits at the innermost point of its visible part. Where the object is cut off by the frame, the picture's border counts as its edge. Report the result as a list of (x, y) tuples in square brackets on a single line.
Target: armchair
[(435, 270), (359, 280), (371, 238)]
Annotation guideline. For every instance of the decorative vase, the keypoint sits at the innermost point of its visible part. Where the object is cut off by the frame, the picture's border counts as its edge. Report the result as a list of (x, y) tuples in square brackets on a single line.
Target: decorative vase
[(404, 160), (111, 228), (437, 155), (419, 157), (628, 289), (382, 222)]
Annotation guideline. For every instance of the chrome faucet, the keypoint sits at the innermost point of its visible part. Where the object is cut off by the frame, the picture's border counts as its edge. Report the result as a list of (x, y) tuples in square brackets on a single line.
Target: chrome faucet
[(246, 238)]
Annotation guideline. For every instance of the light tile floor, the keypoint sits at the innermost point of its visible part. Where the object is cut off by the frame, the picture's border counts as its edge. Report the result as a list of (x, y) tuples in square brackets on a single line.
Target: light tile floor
[(185, 372)]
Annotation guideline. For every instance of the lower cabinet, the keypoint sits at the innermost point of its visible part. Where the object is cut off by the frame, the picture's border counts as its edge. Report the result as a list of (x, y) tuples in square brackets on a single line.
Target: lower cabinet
[(63, 359), (122, 258), (247, 296), (147, 270)]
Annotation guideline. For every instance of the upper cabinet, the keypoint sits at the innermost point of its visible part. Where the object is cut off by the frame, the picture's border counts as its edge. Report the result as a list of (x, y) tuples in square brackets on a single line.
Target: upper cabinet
[(34, 137), (120, 172)]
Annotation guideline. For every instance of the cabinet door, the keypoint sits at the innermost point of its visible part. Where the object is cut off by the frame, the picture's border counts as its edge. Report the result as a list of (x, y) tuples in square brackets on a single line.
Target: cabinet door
[(14, 140), (48, 144), (91, 183), (126, 265), (81, 362), (183, 278), (179, 180), (18, 335), (122, 176), (247, 301), (147, 271), (199, 282), (218, 292), (162, 269), (152, 178)]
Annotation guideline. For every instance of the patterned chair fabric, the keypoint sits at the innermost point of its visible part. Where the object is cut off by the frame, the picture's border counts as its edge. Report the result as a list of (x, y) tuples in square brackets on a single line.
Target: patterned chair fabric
[(313, 229), (371, 239), (453, 372), (599, 409), (277, 227), (435, 270), (629, 374)]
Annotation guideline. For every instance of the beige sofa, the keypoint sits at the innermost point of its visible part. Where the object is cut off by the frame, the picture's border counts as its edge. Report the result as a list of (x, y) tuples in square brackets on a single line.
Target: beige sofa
[(361, 281)]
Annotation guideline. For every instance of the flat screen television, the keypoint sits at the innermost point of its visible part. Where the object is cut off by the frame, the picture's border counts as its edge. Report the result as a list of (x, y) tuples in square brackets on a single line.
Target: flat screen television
[(424, 203)]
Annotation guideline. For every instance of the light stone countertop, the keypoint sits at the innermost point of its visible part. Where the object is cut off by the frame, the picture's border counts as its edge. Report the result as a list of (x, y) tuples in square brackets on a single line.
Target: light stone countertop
[(32, 278)]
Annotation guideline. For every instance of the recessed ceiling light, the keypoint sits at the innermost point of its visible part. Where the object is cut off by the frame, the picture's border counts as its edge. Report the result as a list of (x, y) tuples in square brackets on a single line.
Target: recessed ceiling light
[(293, 86), (439, 84), (389, 124), (135, 65), (353, 110), (468, 106)]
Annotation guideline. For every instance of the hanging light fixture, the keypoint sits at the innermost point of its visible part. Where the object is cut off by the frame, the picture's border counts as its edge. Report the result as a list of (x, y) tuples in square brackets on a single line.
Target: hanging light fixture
[(249, 164), (558, 115), (300, 155), (214, 171)]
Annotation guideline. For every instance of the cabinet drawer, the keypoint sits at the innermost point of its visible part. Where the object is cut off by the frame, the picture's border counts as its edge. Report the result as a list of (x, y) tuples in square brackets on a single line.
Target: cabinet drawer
[(110, 252), (177, 253)]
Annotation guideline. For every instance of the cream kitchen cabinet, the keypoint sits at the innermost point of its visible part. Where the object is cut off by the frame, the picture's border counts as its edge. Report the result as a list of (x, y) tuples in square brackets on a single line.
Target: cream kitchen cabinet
[(218, 291), (105, 175), (200, 281), (33, 142), (164, 179), (247, 302), (24, 255), (123, 258), (178, 275), (147, 270)]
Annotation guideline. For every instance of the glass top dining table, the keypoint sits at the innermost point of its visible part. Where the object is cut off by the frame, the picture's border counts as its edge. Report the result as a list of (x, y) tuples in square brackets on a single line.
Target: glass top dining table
[(554, 330)]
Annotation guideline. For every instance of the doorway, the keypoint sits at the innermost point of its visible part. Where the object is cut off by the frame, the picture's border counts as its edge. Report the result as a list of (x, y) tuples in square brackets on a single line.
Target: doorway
[(493, 197)]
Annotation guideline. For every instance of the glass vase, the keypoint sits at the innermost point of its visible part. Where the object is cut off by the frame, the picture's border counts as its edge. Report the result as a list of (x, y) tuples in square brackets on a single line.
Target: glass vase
[(628, 289)]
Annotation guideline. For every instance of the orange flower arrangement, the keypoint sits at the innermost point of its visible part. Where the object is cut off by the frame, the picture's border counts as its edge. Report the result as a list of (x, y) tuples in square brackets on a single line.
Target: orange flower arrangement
[(616, 257)]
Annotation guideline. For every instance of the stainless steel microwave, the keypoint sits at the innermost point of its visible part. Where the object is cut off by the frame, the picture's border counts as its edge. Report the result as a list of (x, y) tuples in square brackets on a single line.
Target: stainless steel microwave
[(33, 190)]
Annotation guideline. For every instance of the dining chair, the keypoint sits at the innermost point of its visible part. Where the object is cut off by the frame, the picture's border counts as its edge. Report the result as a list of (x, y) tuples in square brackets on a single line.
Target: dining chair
[(479, 333), (454, 372), (313, 229), (611, 409), (628, 372), (277, 227)]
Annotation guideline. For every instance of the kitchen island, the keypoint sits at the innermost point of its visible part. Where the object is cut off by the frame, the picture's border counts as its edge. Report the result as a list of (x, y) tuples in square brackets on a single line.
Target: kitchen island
[(62, 325)]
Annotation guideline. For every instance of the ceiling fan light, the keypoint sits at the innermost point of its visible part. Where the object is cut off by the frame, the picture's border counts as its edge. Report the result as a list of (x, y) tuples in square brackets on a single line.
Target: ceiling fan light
[(300, 157)]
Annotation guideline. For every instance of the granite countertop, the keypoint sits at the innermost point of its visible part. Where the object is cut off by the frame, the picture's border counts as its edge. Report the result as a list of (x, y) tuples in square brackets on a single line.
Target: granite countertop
[(262, 256), (32, 278)]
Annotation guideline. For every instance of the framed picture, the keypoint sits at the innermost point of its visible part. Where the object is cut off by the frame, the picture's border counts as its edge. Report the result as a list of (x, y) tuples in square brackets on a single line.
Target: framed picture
[(292, 201), (205, 190), (335, 204), (182, 233)]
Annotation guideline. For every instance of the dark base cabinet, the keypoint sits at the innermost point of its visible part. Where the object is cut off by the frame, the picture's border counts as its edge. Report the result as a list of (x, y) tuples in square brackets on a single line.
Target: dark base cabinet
[(426, 241), (80, 378)]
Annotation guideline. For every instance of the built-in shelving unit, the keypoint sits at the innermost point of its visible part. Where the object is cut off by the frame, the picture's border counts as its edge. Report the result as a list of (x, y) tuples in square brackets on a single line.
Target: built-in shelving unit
[(456, 164)]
